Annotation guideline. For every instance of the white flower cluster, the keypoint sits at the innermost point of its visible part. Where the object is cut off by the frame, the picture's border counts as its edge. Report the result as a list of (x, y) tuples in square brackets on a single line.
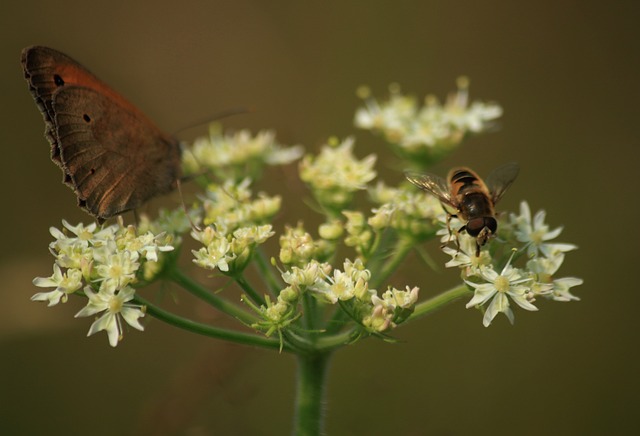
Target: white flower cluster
[(406, 210), (494, 287), (348, 287), (351, 285), (103, 263), (219, 152), (228, 252), (229, 206), (430, 130), (335, 174), (297, 246)]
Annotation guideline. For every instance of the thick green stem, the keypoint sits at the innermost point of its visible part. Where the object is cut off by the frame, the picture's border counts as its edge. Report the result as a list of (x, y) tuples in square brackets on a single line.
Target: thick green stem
[(310, 392)]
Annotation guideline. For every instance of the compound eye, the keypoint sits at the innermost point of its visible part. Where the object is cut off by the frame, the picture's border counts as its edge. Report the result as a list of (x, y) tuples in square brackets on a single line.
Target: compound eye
[(491, 223), (474, 226)]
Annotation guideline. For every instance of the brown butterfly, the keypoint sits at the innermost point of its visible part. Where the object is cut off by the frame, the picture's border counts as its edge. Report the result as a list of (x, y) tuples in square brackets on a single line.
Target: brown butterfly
[(111, 154)]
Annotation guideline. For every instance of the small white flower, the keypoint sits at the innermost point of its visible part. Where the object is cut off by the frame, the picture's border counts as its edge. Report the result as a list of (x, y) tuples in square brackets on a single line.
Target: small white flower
[(115, 309), (283, 156), (306, 276), (115, 269), (395, 298), (464, 256), (65, 283), (253, 235), (562, 286), (217, 250), (70, 252), (450, 229), (497, 287), (82, 232), (84, 235), (394, 306), (557, 289), (535, 233), (147, 245), (381, 317), (344, 285)]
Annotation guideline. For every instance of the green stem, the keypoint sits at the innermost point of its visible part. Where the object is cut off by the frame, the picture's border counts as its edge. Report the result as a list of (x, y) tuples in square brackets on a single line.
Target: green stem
[(205, 294), (338, 320), (264, 266), (330, 343), (310, 393), (377, 253), (435, 303), (207, 330), (246, 287), (310, 306), (399, 253)]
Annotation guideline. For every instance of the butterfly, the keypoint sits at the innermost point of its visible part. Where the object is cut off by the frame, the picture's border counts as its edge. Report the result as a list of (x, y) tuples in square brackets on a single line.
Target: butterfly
[(112, 156)]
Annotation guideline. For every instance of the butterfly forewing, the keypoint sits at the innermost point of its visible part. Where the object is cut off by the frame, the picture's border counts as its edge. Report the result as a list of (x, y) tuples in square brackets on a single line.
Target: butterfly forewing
[(112, 169), (111, 154)]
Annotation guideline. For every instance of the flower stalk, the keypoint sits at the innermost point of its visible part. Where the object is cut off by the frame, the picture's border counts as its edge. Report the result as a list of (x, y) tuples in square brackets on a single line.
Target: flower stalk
[(310, 400)]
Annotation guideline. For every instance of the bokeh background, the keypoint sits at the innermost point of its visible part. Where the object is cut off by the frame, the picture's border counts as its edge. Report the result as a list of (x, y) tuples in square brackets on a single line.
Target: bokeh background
[(567, 76)]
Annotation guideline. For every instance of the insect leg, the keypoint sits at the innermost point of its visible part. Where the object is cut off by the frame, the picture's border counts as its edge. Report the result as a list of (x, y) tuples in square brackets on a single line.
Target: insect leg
[(449, 216), (463, 228)]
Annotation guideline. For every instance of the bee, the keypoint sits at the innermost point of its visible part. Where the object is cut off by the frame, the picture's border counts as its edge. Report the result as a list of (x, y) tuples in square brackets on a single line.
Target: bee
[(471, 199)]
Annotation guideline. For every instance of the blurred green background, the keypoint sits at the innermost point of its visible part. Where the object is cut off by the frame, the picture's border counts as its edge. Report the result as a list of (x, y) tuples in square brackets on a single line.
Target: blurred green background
[(567, 76)]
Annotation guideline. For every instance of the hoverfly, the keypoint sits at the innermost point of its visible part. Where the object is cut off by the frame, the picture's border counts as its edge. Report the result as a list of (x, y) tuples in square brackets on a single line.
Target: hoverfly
[(472, 200)]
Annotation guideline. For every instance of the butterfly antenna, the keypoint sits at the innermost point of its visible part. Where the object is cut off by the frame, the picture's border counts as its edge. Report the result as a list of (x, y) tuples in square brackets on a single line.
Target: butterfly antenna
[(220, 115), (184, 207)]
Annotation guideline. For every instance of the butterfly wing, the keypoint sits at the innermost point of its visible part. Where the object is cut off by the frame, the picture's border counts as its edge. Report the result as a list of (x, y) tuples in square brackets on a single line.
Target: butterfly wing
[(115, 161)]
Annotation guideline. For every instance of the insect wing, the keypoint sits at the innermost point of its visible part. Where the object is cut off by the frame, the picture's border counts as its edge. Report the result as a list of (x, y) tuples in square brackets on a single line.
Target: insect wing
[(433, 184), (500, 179)]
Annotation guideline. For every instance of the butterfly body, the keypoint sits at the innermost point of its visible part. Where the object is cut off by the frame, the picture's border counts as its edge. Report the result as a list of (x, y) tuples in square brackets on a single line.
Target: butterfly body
[(112, 156)]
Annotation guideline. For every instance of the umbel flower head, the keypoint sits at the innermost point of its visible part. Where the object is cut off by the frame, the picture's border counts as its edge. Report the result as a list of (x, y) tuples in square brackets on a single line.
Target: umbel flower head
[(103, 263), (424, 134), (236, 224), (229, 252), (347, 288), (236, 156), (412, 213), (230, 206), (335, 174)]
